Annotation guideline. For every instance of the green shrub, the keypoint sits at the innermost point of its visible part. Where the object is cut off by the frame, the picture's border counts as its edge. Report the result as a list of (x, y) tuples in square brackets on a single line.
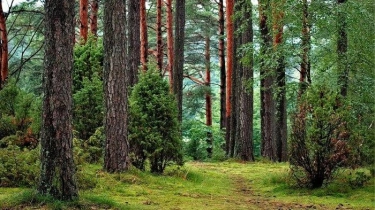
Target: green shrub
[(153, 125), (359, 179)]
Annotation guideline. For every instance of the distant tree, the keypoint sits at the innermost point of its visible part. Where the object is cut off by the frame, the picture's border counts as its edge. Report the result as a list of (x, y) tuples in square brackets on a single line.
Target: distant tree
[(4, 48), (154, 125), (169, 26), (222, 64), (57, 166), (342, 48), (83, 19), (144, 36), (159, 38), (115, 87)]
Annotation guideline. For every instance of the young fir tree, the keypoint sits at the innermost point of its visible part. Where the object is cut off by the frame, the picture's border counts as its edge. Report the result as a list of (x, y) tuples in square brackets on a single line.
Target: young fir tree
[(154, 126)]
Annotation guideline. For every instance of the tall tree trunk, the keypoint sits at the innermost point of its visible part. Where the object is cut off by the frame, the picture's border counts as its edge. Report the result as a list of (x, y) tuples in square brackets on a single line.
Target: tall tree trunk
[(280, 100), (4, 48), (143, 31), (83, 19), (246, 92), (115, 87), (94, 17), (57, 166), (342, 48), (304, 78), (222, 65), (268, 125), (229, 68), (208, 97), (170, 42), (178, 67), (134, 43), (159, 38)]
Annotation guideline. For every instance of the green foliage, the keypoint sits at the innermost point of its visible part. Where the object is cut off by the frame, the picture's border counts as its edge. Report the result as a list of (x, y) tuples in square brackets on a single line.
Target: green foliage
[(359, 179), (153, 126), (319, 138)]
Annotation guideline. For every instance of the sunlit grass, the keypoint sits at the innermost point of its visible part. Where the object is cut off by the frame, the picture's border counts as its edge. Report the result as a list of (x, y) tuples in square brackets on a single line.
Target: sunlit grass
[(220, 185)]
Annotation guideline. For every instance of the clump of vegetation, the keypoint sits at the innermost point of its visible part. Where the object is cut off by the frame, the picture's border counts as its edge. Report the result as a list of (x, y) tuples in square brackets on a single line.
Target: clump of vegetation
[(319, 138), (154, 127)]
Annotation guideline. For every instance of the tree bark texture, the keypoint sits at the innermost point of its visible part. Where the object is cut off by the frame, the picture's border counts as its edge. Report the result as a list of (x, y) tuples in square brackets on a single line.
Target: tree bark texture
[(94, 17), (57, 166), (115, 87), (342, 49), (4, 48), (229, 70), (170, 42), (83, 19), (246, 93), (280, 100), (208, 97), (144, 37), (178, 67), (159, 38), (134, 43), (222, 65), (268, 126)]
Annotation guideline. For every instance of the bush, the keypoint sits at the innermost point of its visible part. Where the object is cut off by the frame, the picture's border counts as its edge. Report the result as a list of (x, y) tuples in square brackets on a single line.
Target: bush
[(153, 123), (319, 137)]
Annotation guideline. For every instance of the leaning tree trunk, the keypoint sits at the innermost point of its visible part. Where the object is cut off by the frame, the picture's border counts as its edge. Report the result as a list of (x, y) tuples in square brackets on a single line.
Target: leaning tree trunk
[(115, 87), (94, 17), (83, 19), (229, 68), (143, 31), (178, 67), (57, 166), (342, 48), (170, 42), (222, 65), (4, 48), (246, 91), (268, 126), (134, 43)]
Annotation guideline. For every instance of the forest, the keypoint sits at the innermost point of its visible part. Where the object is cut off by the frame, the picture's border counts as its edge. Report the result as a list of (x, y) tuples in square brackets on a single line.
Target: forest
[(187, 104)]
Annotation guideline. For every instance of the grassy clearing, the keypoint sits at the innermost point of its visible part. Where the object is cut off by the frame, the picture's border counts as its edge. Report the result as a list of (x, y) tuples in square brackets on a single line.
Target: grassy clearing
[(223, 185)]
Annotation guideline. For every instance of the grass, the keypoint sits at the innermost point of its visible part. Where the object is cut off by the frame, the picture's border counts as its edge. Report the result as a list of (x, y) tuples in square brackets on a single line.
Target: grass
[(222, 185)]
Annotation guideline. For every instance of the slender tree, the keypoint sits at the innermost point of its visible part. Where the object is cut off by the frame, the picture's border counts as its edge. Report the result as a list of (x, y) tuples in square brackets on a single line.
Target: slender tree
[(342, 48), (246, 82), (57, 166), (178, 65), (83, 19), (134, 43), (304, 78), (143, 31), (94, 17), (159, 38), (4, 48), (170, 42), (222, 65), (229, 68), (115, 87), (208, 97)]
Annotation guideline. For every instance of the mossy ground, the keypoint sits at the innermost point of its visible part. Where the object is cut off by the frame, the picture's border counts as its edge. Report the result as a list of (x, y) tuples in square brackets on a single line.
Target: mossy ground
[(221, 185)]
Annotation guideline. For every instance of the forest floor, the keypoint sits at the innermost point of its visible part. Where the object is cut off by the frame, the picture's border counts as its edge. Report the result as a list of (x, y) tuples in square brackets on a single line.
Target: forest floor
[(199, 185)]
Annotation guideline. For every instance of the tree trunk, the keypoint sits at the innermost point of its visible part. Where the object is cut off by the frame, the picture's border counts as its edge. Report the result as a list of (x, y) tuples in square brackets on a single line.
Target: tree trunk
[(342, 49), (159, 38), (268, 125), (280, 100), (229, 68), (115, 87), (83, 19), (304, 78), (178, 67), (4, 48), (222, 65), (170, 42), (134, 43), (143, 31), (208, 97), (94, 17), (246, 92), (57, 166)]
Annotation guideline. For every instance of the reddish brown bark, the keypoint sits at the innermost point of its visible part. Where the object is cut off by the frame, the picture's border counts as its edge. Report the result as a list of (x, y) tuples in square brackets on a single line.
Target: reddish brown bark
[(94, 17), (143, 31), (159, 38), (208, 97), (229, 68), (222, 64), (170, 41), (83, 19), (4, 48)]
